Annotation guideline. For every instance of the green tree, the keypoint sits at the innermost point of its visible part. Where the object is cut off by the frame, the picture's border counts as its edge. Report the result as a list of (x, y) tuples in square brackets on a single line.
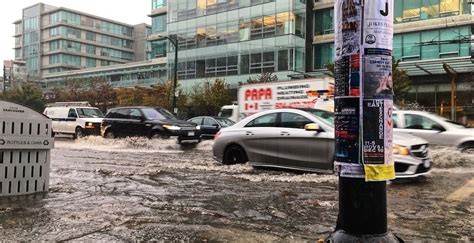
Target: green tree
[(265, 77), (400, 78), (207, 98), (401, 83), (27, 94)]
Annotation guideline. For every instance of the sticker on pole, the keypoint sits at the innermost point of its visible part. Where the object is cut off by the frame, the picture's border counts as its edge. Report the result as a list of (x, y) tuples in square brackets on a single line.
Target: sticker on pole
[(378, 140), (378, 26)]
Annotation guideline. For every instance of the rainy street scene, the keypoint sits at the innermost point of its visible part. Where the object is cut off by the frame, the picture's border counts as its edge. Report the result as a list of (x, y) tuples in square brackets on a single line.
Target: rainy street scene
[(140, 189), (326, 121)]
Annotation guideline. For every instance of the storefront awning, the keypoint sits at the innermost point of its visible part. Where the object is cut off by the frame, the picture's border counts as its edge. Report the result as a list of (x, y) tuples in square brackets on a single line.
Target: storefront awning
[(433, 67)]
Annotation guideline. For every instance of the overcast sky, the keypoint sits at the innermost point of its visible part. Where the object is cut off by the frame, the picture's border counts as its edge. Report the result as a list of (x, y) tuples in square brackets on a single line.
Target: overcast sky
[(126, 11)]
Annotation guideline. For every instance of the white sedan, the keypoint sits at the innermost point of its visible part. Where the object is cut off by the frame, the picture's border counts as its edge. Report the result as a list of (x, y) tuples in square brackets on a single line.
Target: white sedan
[(435, 129)]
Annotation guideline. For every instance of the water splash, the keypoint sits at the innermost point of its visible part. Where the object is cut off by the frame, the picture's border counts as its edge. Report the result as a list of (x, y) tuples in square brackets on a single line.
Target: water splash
[(449, 157)]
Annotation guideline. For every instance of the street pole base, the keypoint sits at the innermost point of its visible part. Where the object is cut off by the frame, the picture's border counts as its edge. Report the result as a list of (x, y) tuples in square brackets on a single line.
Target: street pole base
[(342, 236)]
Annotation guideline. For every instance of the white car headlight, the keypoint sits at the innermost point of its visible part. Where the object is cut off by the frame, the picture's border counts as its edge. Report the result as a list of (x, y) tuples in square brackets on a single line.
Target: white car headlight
[(198, 127), (172, 127)]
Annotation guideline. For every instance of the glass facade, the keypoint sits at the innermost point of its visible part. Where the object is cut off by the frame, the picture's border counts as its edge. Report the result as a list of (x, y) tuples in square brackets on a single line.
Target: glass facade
[(413, 10), (31, 41), (65, 17), (409, 46), (239, 39), (158, 4), (65, 59), (158, 24), (323, 22)]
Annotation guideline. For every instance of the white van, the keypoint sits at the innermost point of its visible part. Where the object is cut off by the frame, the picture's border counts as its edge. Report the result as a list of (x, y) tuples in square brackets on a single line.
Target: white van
[(75, 118)]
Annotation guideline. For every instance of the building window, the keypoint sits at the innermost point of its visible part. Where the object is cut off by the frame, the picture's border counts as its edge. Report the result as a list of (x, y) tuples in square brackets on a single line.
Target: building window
[(17, 28), (262, 62), (54, 31), (55, 59), (90, 49), (54, 45), (432, 44), (158, 4), (324, 22), (90, 36), (91, 62), (72, 32), (323, 55), (159, 24), (72, 46), (30, 24), (414, 10), (31, 37)]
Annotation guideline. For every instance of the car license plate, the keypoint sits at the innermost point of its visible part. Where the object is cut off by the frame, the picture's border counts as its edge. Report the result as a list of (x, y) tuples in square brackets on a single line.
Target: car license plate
[(190, 134), (426, 163)]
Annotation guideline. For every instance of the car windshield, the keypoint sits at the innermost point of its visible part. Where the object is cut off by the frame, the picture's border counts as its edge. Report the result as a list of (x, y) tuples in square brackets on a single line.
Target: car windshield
[(166, 113), (153, 114), (225, 122), (326, 116), (226, 113), (89, 113)]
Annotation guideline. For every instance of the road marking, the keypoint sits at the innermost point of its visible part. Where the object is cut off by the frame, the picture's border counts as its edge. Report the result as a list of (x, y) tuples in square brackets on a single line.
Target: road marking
[(463, 192)]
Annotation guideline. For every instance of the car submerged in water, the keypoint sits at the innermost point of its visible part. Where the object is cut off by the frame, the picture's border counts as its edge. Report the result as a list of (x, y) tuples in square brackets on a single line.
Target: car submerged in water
[(303, 139)]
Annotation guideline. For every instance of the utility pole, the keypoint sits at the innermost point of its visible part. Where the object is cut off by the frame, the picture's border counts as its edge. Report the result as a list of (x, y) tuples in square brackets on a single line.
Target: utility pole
[(453, 75), (4, 79), (175, 75), (363, 118)]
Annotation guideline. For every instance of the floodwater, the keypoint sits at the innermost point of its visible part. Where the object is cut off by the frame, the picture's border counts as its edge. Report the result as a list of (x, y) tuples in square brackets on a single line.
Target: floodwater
[(140, 189)]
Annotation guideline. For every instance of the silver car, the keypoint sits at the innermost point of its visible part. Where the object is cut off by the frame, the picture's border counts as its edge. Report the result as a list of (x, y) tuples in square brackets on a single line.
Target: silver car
[(303, 139), (434, 129)]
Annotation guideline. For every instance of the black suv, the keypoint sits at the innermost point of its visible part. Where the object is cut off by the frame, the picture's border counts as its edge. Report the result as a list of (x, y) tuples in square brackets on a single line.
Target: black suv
[(150, 122)]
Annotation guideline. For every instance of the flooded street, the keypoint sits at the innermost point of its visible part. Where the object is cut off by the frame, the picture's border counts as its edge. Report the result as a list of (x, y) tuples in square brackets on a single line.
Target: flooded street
[(139, 189)]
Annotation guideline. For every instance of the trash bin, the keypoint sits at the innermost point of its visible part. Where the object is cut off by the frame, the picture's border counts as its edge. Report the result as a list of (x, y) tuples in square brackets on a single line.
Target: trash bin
[(25, 150)]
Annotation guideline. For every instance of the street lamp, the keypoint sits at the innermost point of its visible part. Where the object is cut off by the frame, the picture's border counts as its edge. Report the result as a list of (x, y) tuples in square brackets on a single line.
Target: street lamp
[(175, 76)]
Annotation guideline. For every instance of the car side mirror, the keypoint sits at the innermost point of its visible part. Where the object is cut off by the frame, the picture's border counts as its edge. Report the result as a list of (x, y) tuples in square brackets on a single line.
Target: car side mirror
[(313, 127), (438, 127)]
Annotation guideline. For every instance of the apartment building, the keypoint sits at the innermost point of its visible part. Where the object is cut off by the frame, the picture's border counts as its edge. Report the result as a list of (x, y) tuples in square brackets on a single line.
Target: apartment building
[(55, 39)]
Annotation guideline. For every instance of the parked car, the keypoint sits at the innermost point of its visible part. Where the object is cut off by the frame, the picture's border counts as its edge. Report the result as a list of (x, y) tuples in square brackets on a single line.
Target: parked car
[(210, 125), (149, 122), (303, 139), (74, 118), (435, 129)]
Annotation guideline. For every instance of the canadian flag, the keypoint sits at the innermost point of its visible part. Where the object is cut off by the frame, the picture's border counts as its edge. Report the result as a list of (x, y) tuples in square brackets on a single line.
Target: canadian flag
[(251, 106)]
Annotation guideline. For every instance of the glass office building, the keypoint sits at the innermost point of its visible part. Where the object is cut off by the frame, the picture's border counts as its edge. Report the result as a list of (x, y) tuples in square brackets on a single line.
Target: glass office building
[(232, 40), (427, 34)]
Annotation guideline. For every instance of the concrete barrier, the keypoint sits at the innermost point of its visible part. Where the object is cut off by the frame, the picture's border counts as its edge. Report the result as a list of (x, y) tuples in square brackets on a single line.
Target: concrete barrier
[(25, 150)]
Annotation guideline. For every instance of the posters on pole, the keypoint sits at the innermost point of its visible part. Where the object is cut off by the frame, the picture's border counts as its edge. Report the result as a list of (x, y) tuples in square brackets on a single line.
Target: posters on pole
[(377, 90), (347, 27), (378, 82), (346, 115), (378, 140), (378, 25), (347, 70)]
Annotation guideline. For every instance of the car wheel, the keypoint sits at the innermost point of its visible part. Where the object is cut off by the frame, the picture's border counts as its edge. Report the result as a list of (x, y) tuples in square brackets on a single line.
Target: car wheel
[(161, 135), (234, 155), (79, 133), (468, 148), (109, 134)]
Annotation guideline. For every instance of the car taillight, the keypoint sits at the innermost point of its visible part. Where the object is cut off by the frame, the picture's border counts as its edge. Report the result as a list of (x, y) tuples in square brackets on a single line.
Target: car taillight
[(217, 135)]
